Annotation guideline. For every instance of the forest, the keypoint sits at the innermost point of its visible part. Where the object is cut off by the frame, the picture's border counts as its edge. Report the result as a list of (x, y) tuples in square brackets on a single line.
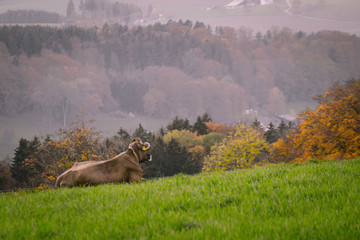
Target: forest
[(165, 70)]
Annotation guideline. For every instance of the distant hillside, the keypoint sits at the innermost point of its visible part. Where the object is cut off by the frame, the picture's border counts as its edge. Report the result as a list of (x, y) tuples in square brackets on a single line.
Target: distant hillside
[(346, 10), (166, 70), (30, 16)]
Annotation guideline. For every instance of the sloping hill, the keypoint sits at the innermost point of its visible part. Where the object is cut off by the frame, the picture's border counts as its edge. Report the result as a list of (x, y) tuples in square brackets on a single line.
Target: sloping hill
[(317, 201)]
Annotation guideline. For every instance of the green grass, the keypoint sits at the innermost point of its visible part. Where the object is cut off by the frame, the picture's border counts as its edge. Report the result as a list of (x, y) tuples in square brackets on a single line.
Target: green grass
[(306, 201)]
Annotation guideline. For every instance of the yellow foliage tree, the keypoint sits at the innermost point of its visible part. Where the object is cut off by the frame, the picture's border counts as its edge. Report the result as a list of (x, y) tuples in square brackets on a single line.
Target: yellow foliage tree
[(332, 131), (185, 138), (78, 143), (240, 150)]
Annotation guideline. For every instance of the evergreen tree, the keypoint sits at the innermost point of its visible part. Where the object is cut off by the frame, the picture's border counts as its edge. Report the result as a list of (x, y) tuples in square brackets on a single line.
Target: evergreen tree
[(177, 158), (257, 125), (157, 167), (70, 10), (144, 135), (282, 130), (20, 171), (271, 134), (179, 124), (200, 124), (162, 131), (6, 180), (124, 135)]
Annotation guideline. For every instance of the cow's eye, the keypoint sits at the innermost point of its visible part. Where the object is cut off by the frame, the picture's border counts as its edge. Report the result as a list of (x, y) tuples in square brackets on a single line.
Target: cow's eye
[(143, 148)]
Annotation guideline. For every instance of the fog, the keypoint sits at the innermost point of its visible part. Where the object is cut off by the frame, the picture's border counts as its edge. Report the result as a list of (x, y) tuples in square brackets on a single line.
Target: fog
[(311, 16), (150, 61)]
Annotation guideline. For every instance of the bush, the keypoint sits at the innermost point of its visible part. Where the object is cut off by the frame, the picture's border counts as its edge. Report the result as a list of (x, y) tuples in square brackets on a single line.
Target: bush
[(240, 150)]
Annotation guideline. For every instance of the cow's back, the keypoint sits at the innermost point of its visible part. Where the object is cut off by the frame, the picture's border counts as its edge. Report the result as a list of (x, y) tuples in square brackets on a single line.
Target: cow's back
[(122, 168)]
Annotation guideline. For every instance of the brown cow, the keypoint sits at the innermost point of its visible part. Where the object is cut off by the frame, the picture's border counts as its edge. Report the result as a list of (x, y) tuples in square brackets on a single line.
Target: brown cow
[(122, 168)]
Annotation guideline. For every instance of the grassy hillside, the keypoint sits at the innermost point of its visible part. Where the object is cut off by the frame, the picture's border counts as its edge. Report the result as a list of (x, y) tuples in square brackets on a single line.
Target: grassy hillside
[(310, 201)]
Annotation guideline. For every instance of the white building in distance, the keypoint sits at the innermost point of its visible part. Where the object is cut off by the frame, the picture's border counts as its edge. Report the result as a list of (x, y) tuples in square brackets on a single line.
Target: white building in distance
[(238, 3), (266, 2)]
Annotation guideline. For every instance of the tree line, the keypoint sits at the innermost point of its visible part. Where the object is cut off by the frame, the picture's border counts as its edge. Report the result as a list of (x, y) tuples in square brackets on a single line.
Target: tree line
[(180, 147), (165, 70), (329, 132)]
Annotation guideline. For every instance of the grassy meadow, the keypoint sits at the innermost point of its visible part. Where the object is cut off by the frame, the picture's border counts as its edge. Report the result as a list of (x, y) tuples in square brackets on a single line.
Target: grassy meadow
[(300, 201)]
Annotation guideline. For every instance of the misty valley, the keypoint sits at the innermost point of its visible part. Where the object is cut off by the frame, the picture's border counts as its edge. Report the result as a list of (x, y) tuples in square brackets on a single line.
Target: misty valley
[(165, 70)]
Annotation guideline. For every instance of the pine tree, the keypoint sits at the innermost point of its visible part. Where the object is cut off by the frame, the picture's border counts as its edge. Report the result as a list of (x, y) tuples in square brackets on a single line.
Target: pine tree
[(200, 124), (17, 168), (179, 124), (271, 134), (123, 134), (282, 130), (20, 170), (257, 125), (157, 167), (144, 135), (70, 10), (177, 158)]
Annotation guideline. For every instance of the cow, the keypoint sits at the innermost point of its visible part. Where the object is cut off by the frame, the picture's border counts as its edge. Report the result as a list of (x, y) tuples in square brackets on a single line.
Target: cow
[(124, 168)]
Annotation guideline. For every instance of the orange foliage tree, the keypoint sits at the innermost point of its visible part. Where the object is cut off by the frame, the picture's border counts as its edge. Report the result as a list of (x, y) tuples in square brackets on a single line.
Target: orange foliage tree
[(80, 142), (332, 131)]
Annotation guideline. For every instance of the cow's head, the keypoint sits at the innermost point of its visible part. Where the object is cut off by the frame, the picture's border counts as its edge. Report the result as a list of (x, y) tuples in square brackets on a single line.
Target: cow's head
[(140, 148)]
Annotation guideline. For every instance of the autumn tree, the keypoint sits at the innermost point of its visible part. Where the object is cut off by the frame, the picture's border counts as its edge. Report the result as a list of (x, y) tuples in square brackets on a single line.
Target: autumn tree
[(185, 138), (210, 140), (79, 142), (242, 149), (215, 127), (330, 131)]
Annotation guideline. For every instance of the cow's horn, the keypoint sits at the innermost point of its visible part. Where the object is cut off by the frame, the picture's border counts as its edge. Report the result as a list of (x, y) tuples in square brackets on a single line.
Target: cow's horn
[(147, 145)]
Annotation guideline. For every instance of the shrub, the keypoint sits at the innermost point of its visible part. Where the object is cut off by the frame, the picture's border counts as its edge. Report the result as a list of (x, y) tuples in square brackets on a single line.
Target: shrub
[(240, 150)]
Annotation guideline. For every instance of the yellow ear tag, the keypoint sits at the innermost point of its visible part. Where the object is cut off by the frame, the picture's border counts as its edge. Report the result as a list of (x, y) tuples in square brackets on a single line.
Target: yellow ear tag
[(143, 148)]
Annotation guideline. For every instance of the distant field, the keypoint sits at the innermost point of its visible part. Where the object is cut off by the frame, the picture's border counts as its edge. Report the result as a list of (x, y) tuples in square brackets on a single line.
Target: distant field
[(307, 201), (263, 18), (348, 10), (28, 125)]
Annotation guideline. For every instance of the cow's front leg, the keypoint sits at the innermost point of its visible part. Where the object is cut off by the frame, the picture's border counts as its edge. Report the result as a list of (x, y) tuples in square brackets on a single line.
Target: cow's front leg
[(135, 178)]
